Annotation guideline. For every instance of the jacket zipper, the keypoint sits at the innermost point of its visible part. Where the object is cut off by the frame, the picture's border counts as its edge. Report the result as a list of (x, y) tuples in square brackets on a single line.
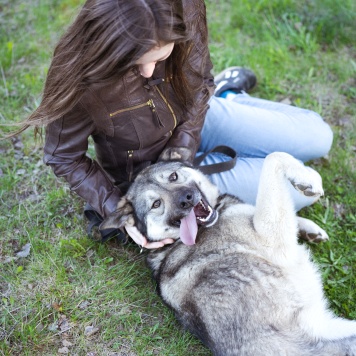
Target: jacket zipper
[(170, 109), (149, 103), (129, 167), (134, 107), (152, 106)]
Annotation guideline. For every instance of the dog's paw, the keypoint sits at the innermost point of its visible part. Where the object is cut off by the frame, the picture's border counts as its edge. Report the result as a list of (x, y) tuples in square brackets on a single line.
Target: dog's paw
[(308, 183), (182, 154), (313, 237), (310, 231)]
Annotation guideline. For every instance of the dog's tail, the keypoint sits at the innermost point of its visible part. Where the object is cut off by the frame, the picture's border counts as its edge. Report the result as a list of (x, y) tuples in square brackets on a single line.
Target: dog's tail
[(292, 345), (339, 347)]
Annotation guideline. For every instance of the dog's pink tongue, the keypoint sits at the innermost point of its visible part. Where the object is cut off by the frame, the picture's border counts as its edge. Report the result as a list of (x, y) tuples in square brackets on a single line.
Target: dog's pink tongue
[(188, 229)]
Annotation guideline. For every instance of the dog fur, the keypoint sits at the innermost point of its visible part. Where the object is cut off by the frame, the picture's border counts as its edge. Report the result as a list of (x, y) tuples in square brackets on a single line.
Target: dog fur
[(246, 287)]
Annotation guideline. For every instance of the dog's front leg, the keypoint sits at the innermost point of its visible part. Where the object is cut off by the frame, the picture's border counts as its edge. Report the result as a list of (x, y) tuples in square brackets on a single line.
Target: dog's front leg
[(275, 218)]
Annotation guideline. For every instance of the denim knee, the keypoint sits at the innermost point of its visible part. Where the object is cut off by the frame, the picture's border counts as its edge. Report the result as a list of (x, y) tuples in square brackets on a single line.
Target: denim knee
[(319, 137)]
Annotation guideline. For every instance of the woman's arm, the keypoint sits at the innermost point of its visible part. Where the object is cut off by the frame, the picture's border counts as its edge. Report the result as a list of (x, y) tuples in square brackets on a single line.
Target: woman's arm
[(65, 151), (187, 134)]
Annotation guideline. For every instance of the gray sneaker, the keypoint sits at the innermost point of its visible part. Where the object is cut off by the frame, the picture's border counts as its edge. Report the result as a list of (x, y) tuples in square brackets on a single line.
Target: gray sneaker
[(236, 79)]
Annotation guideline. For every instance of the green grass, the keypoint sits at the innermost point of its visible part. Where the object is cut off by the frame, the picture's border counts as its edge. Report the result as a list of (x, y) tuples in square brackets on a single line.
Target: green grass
[(301, 51)]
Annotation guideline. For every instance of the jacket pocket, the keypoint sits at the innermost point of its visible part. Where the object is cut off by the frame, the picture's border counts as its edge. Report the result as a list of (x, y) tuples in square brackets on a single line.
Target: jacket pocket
[(142, 125), (150, 103)]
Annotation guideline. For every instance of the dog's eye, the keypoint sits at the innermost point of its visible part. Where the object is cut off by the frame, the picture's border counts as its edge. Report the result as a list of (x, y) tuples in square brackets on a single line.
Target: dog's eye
[(156, 204), (173, 177)]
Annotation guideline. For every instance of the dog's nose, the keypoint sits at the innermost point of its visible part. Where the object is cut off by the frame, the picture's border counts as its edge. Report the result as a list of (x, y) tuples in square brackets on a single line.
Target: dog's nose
[(186, 200)]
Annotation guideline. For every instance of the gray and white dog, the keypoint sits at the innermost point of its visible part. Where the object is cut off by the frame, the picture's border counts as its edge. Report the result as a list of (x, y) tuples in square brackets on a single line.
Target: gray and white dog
[(236, 277)]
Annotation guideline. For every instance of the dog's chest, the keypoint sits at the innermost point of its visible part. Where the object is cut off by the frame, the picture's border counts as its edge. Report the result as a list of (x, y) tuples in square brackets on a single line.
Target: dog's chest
[(234, 229)]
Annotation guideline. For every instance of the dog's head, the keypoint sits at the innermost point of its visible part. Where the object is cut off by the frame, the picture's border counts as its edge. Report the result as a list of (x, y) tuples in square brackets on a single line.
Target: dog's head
[(167, 200)]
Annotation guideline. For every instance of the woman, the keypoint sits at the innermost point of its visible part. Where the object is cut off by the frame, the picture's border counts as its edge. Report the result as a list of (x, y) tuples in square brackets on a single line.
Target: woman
[(135, 76)]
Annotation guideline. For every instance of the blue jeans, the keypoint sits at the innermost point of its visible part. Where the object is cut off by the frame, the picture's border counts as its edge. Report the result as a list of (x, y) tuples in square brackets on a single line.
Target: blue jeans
[(254, 128)]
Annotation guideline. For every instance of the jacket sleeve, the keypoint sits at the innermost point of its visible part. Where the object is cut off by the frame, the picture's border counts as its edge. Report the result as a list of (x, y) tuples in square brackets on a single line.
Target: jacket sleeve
[(65, 151), (187, 133)]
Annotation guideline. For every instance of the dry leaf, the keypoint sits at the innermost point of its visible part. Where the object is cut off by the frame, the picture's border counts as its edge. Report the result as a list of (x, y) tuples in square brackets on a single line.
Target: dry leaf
[(63, 350), (66, 343), (63, 324), (83, 305), (25, 252), (53, 327), (286, 101), (90, 330), (20, 172), (39, 327), (9, 259), (57, 306)]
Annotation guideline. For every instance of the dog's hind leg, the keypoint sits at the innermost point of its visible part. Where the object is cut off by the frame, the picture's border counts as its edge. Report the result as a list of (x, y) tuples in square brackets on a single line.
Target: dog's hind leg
[(274, 218), (310, 231)]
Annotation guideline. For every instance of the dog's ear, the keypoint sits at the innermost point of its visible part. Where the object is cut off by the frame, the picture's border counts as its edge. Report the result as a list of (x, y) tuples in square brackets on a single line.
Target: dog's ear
[(122, 216)]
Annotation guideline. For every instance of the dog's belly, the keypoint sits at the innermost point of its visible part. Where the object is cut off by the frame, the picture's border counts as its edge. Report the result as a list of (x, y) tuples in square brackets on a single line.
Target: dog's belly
[(228, 271), (232, 296)]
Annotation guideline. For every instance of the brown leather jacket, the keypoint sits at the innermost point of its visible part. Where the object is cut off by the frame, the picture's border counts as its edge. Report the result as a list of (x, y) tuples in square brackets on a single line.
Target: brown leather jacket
[(131, 122)]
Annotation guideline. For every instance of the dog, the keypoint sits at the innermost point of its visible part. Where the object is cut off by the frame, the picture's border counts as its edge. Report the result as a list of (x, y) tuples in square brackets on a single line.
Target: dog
[(237, 277)]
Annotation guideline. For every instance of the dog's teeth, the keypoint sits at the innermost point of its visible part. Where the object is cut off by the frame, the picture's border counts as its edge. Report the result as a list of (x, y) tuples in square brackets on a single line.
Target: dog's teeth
[(208, 217), (205, 207)]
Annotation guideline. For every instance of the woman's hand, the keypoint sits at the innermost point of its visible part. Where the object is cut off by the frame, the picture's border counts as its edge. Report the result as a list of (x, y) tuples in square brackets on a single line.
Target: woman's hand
[(142, 241)]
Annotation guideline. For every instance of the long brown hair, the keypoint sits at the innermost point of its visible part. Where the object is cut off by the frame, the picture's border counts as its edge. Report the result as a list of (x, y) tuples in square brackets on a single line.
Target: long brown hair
[(104, 41)]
